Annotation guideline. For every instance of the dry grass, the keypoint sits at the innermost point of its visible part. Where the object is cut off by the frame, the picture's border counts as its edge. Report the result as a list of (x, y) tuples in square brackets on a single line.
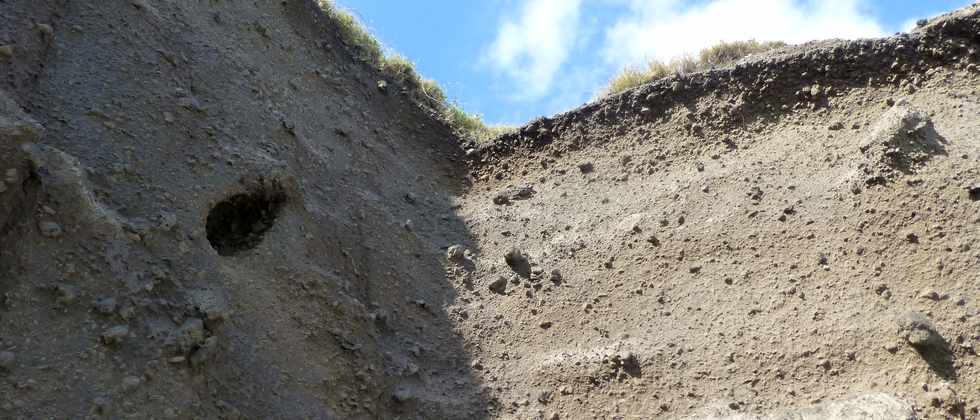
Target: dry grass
[(719, 55), (402, 71)]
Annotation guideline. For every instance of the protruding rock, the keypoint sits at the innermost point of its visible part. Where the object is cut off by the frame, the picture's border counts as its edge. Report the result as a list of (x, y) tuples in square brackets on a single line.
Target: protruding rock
[(456, 253), (50, 229), (499, 286), (518, 261), (115, 335), (974, 191), (918, 331), (105, 306), (65, 294), (45, 29), (130, 383), (190, 335), (901, 142), (556, 277), (403, 395)]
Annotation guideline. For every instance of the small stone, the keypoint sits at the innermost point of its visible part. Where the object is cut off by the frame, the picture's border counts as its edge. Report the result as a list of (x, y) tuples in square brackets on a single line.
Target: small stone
[(45, 29), (127, 312), (382, 85), (930, 295), (912, 238), (501, 199), (455, 253), (130, 383), (403, 395), (106, 306), (545, 324), (517, 260), (191, 103), (115, 335), (50, 229), (556, 277), (918, 331), (499, 286), (65, 294), (627, 359), (477, 364), (974, 191), (189, 335), (7, 360), (166, 221), (586, 167)]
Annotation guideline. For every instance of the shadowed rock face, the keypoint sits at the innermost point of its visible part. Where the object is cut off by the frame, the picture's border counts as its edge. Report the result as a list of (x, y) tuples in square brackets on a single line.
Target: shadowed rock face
[(202, 217), (210, 209)]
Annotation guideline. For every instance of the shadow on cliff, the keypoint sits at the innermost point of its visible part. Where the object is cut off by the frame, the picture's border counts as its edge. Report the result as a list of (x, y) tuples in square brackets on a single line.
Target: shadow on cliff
[(317, 289)]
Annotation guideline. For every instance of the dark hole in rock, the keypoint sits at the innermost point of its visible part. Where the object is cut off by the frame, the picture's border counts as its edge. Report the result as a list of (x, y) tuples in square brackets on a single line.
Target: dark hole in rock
[(238, 223)]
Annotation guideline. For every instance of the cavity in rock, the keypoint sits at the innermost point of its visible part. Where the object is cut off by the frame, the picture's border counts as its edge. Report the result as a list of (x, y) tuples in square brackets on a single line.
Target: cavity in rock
[(238, 223)]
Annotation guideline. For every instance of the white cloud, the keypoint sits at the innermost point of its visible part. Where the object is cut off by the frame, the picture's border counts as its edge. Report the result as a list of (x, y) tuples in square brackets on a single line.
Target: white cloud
[(532, 49), (666, 29)]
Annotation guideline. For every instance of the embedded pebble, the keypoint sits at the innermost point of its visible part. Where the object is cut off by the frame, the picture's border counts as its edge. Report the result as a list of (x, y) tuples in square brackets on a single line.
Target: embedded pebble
[(499, 286), (50, 229), (106, 306), (66, 294), (130, 383), (455, 253), (7, 360), (115, 335), (918, 331)]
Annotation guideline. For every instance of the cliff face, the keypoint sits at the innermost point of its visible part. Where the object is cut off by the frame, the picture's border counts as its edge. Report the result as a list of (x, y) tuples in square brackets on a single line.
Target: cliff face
[(211, 210), (798, 228)]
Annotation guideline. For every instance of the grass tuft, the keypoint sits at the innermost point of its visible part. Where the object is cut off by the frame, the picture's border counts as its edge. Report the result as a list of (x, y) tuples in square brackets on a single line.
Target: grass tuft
[(402, 71), (719, 55)]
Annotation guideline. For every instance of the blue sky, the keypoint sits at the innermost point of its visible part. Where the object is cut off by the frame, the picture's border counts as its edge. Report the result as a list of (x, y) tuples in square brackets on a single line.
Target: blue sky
[(515, 60)]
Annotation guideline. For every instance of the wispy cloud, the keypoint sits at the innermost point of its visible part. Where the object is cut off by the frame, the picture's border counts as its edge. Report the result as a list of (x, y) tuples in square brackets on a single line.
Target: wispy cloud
[(531, 48), (666, 29)]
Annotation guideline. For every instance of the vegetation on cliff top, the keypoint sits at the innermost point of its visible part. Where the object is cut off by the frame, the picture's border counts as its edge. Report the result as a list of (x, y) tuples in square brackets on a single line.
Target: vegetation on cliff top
[(719, 55), (401, 70)]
